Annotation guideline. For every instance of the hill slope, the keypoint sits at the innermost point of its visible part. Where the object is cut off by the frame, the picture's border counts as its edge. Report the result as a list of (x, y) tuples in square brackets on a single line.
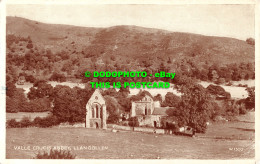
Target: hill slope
[(133, 41)]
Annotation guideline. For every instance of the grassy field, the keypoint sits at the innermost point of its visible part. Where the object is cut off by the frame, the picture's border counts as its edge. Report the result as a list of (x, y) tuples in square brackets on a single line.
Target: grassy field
[(20, 115), (236, 92), (231, 140)]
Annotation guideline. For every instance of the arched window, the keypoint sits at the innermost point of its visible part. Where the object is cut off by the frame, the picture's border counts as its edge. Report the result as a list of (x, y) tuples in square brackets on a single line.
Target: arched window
[(101, 112), (93, 112), (97, 111)]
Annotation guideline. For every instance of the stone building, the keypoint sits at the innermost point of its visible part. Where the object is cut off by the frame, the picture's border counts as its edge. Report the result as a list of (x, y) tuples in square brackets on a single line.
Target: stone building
[(148, 112), (96, 116)]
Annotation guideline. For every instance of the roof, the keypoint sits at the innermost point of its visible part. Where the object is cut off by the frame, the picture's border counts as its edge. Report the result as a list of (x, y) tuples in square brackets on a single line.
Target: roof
[(161, 111), (96, 97)]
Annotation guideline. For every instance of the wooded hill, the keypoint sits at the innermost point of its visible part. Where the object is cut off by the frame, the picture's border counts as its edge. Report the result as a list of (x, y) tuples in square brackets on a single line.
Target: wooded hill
[(77, 49)]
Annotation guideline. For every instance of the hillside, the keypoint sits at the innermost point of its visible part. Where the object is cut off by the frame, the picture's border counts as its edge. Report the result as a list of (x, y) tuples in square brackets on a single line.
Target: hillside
[(132, 41), (71, 50)]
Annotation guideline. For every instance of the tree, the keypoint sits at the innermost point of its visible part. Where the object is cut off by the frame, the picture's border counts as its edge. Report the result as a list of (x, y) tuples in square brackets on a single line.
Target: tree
[(250, 100), (37, 105), (58, 77), (218, 91), (124, 91), (40, 89), (158, 97), (112, 105), (17, 102), (110, 92), (68, 106), (171, 100), (195, 108), (29, 46), (250, 41), (10, 89)]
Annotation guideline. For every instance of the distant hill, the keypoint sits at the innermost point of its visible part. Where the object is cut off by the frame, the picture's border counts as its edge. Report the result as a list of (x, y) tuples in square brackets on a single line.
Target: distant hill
[(133, 42)]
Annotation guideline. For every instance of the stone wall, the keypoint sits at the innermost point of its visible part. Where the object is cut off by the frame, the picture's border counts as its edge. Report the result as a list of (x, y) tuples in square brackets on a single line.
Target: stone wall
[(140, 129), (149, 120)]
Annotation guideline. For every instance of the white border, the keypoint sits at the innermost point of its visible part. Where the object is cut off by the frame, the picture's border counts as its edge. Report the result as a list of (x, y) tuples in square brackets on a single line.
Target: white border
[(162, 2)]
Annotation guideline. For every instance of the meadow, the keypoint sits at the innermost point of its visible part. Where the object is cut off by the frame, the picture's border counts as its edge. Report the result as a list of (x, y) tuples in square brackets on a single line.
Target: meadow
[(31, 115), (223, 140)]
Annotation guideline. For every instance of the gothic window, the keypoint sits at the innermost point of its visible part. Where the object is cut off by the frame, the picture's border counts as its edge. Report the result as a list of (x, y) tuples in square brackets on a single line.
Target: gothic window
[(97, 111), (93, 112)]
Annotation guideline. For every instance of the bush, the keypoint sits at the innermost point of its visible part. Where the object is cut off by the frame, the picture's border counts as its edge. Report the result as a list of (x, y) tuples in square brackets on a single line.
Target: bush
[(29, 46), (133, 122), (36, 105), (12, 124), (57, 77), (30, 78), (37, 122), (242, 109), (113, 118), (55, 154), (45, 122), (25, 122)]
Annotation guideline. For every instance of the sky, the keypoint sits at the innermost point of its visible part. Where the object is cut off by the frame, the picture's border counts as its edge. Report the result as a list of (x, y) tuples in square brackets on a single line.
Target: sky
[(236, 21)]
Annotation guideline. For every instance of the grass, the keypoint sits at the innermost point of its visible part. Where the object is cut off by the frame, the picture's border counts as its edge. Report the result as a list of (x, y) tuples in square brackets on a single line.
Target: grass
[(236, 92), (20, 115), (133, 145)]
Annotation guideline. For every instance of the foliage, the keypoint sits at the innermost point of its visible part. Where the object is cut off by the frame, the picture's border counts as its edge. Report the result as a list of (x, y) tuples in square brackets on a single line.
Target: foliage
[(25, 122), (40, 89), (36, 105), (140, 95), (57, 77), (114, 109), (12, 124), (124, 91), (195, 108), (113, 118), (70, 103), (46, 121), (250, 41), (133, 122), (16, 101), (218, 91), (158, 97), (250, 100), (171, 100), (55, 154), (37, 122)]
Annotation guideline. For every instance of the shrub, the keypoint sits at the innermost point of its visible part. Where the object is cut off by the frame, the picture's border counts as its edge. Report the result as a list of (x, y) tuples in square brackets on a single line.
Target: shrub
[(29, 46), (242, 109), (113, 118), (55, 154), (25, 122), (133, 121), (45, 122), (12, 124), (58, 77), (37, 122), (30, 78)]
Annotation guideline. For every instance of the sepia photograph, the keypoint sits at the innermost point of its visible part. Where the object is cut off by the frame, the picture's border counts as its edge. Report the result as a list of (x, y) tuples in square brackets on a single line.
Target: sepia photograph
[(130, 81)]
